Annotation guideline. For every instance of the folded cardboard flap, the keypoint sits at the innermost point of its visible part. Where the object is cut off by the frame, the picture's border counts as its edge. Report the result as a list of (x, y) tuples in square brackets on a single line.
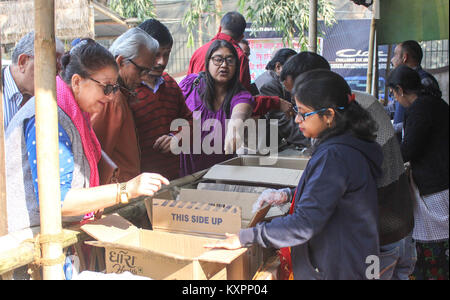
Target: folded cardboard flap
[(268, 161), (258, 175), (109, 229)]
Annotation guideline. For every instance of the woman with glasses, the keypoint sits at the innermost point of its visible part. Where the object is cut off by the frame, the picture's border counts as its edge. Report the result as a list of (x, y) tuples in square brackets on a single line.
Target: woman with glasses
[(215, 96), (425, 146), (331, 231), (87, 82)]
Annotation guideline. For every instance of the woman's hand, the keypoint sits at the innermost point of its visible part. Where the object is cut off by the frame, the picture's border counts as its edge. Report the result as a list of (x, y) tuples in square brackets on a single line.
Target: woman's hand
[(145, 184), (272, 197), (286, 107), (234, 138), (232, 242), (162, 144)]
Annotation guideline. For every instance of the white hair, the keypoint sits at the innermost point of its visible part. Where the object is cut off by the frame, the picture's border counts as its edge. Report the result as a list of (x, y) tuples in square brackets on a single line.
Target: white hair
[(129, 43)]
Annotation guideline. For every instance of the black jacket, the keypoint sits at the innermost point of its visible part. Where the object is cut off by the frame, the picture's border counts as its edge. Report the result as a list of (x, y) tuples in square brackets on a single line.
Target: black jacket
[(426, 143)]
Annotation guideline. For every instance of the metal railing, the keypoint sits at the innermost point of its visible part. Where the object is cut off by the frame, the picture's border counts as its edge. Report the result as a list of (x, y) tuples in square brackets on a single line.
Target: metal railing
[(435, 54)]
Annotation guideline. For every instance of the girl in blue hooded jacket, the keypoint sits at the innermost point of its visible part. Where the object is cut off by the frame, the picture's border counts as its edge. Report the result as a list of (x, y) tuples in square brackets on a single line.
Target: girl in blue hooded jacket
[(332, 229)]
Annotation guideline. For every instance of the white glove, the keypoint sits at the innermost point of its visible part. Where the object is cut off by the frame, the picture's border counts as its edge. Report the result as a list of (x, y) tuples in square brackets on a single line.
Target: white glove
[(272, 197)]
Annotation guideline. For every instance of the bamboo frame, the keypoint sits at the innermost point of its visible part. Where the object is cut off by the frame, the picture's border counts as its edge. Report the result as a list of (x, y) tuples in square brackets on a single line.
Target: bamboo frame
[(312, 35), (371, 52), (47, 135), (3, 208)]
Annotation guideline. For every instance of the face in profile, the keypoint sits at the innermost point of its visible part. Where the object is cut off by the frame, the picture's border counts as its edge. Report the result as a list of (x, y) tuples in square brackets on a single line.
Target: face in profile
[(92, 93)]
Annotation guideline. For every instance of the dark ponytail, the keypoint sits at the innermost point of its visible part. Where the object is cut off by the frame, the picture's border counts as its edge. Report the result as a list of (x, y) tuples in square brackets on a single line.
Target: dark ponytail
[(84, 59), (320, 89)]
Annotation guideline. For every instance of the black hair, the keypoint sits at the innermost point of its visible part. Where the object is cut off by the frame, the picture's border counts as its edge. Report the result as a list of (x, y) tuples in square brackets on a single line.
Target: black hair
[(406, 78), (158, 31), (280, 56), (244, 41), (413, 49), (302, 62), (320, 89), (235, 23), (208, 95), (84, 59)]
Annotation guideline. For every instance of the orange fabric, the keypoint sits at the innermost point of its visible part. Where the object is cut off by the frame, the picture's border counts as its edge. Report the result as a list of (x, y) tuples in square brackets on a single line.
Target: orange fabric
[(285, 271), (116, 132)]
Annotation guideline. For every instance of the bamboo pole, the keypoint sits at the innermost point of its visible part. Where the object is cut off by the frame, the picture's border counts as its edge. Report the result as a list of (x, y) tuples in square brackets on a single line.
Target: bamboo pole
[(376, 76), (312, 35), (386, 76), (3, 211), (371, 49), (47, 138)]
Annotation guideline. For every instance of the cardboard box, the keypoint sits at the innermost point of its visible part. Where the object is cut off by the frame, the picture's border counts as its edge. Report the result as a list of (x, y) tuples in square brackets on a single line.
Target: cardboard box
[(210, 213), (163, 255), (259, 170), (205, 212)]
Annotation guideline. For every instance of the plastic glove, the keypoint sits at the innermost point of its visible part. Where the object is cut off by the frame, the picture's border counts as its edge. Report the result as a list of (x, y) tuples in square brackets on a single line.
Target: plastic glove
[(272, 197)]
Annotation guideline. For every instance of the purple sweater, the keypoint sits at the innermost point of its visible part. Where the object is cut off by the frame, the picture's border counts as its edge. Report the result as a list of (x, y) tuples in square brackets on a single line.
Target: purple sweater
[(207, 145)]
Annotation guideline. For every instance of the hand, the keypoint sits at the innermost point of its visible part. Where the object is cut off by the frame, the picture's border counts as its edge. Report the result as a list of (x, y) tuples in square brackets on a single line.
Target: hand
[(234, 138), (146, 184), (162, 144), (272, 197), (286, 107), (232, 242)]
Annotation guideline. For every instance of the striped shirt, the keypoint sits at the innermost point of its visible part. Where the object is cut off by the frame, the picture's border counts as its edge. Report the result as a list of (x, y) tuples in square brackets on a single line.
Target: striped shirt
[(153, 113), (12, 98)]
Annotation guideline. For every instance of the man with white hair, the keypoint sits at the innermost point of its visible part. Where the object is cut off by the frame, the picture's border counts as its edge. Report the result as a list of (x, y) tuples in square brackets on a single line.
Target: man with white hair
[(135, 52), (18, 78)]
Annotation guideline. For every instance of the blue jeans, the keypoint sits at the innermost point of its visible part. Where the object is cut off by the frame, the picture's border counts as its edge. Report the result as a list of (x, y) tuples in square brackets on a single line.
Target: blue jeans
[(397, 260)]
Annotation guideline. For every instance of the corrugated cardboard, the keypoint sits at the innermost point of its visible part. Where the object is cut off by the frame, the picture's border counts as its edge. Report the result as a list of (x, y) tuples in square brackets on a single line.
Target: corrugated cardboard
[(260, 170), (233, 208), (162, 255)]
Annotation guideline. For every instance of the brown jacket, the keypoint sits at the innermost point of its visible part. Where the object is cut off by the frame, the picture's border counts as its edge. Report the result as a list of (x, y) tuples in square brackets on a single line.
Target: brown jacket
[(116, 132)]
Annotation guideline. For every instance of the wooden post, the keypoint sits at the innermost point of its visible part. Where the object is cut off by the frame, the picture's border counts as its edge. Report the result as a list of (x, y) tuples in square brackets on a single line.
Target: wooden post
[(47, 138), (3, 211), (312, 36), (386, 76), (376, 76), (371, 49)]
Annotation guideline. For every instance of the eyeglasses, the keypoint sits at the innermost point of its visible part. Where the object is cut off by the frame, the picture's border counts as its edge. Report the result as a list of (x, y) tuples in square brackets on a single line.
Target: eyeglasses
[(142, 70), (218, 60), (303, 116), (107, 88)]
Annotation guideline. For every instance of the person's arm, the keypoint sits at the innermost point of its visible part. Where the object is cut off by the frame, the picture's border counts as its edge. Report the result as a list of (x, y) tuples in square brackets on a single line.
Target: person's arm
[(417, 128), (82, 201), (235, 128), (324, 187)]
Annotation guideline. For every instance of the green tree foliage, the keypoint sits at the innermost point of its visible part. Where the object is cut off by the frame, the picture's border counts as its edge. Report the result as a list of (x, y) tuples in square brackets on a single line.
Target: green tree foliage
[(200, 13), (140, 9), (290, 18)]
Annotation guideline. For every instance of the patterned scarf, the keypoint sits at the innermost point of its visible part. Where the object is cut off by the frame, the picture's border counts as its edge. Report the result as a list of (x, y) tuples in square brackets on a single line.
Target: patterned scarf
[(91, 146)]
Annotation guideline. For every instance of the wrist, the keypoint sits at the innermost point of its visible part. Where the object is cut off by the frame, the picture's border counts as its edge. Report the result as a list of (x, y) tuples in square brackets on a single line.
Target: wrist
[(122, 196)]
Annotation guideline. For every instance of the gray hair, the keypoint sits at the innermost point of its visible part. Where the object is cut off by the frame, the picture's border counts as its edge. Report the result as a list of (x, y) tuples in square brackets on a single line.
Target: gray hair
[(129, 43), (24, 46)]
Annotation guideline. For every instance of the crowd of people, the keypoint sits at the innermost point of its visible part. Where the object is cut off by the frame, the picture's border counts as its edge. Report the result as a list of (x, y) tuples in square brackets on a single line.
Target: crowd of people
[(370, 189)]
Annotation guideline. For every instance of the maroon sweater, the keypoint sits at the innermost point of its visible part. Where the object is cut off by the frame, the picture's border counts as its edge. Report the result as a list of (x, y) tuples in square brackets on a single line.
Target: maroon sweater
[(153, 114)]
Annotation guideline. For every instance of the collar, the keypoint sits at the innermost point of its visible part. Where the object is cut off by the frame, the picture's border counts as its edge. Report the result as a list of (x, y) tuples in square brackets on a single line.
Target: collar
[(158, 83), (224, 36), (10, 90)]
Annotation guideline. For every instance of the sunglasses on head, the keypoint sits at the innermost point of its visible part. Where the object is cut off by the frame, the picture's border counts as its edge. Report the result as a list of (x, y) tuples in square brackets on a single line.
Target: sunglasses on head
[(107, 88)]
